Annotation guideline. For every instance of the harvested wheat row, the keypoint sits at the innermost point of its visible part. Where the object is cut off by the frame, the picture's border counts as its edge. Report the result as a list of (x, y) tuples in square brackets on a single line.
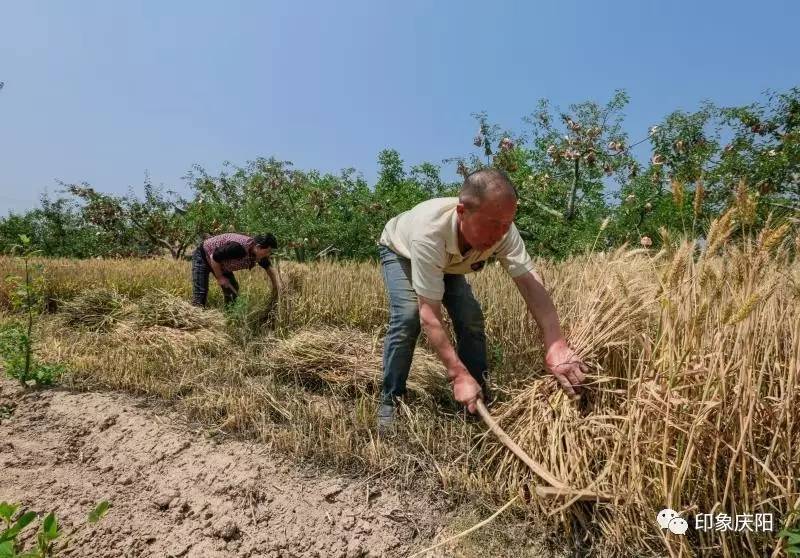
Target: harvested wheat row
[(160, 308), (205, 341), (158, 321), (348, 358), (94, 309), (101, 309)]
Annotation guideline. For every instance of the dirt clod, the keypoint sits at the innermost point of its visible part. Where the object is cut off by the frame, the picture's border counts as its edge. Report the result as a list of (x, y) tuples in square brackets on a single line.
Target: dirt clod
[(226, 529), (163, 500), (107, 423), (178, 549), (331, 492)]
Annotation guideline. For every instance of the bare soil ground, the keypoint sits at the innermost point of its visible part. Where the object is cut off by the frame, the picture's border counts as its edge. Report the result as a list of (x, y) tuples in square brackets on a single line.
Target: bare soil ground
[(176, 492)]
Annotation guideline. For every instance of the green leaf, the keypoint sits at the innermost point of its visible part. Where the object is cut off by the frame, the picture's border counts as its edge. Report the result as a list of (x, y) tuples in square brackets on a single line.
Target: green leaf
[(793, 550), (41, 543), (97, 514), (24, 520), (25, 239), (19, 525), (50, 526), (7, 510), (7, 549)]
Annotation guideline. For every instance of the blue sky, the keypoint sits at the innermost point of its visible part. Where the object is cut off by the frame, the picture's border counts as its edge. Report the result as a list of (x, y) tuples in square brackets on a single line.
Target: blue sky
[(104, 91)]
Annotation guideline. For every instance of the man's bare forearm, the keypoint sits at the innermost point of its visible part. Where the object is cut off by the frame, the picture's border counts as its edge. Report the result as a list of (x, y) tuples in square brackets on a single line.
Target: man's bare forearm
[(215, 267), (430, 315), (465, 388), (541, 306), (273, 276)]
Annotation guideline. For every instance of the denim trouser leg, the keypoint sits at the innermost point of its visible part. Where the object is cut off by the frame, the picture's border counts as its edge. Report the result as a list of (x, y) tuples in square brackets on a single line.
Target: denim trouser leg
[(200, 271), (404, 327), (467, 317)]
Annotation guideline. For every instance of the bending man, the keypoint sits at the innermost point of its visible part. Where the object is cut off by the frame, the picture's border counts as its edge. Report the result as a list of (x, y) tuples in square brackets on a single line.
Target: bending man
[(425, 253), (225, 253)]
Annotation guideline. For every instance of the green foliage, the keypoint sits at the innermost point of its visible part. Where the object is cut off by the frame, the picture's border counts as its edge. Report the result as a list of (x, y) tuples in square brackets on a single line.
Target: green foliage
[(56, 228), (397, 191), (14, 226), (16, 339), (562, 167), (249, 317), (47, 536), (18, 360), (160, 220), (99, 512), (791, 534), (6, 410), (311, 214), (583, 185), (703, 160), (792, 537)]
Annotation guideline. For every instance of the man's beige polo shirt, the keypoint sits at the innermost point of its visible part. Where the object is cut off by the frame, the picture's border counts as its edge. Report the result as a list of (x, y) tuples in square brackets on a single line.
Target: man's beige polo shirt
[(427, 234)]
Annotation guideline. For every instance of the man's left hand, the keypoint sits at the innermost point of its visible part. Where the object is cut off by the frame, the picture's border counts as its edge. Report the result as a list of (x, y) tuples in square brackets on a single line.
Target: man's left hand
[(563, 363)]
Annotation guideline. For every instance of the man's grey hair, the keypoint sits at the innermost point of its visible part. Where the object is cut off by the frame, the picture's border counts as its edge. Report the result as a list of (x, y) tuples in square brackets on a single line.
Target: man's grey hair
[(478, 184)]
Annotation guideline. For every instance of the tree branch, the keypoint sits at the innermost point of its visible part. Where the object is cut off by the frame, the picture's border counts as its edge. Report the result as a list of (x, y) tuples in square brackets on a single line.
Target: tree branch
[(549, 210)]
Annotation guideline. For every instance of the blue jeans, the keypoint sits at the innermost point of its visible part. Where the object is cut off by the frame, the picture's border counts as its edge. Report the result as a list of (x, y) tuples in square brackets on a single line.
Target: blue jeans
[(404, 326)]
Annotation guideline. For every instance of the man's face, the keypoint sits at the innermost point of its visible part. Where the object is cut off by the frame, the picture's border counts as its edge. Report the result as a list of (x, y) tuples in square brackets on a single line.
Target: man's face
[(485, 226), (262, 253)]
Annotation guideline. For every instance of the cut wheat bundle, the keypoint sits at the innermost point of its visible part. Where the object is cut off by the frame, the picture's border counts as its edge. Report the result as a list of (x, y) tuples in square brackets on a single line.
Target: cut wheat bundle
[(94, 310), (348, 358)]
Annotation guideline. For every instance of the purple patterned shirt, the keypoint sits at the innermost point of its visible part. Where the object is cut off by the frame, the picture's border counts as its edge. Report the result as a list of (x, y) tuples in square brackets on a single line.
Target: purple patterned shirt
[(230, 256)]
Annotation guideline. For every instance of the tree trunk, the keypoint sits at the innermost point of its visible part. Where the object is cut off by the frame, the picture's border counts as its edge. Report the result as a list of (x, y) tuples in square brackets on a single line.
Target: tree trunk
[(574, 193), (641, 218)]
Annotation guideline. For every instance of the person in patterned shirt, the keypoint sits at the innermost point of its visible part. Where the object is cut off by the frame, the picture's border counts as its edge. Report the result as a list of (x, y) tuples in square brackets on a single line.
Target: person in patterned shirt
[(225, 253)]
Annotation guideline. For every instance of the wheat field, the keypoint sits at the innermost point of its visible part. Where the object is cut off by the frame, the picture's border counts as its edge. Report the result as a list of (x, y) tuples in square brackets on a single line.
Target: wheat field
[(691, 401)]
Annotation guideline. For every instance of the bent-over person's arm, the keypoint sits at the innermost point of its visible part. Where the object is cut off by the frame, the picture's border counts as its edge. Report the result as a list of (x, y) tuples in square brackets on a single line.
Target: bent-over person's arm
[(465, 389), (427, 278), (228, 251), (272, 274), (560, 359)]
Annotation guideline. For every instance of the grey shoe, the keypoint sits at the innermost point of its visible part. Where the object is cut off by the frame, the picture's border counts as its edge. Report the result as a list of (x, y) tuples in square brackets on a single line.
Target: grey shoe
[(386, 418)]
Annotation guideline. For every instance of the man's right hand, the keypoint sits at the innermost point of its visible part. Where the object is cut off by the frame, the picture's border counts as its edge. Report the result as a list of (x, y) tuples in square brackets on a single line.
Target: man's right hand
[(465, 389), (225, 283)]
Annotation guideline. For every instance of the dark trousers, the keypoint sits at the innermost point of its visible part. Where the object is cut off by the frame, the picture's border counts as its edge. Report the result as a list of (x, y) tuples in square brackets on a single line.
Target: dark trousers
[(200, 273)]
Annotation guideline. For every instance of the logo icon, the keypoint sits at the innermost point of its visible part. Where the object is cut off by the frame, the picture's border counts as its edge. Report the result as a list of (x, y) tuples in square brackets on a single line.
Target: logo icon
[(668, 519)]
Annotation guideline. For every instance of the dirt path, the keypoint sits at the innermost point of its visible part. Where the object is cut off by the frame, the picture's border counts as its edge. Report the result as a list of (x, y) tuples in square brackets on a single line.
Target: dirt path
[(176, 493)]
